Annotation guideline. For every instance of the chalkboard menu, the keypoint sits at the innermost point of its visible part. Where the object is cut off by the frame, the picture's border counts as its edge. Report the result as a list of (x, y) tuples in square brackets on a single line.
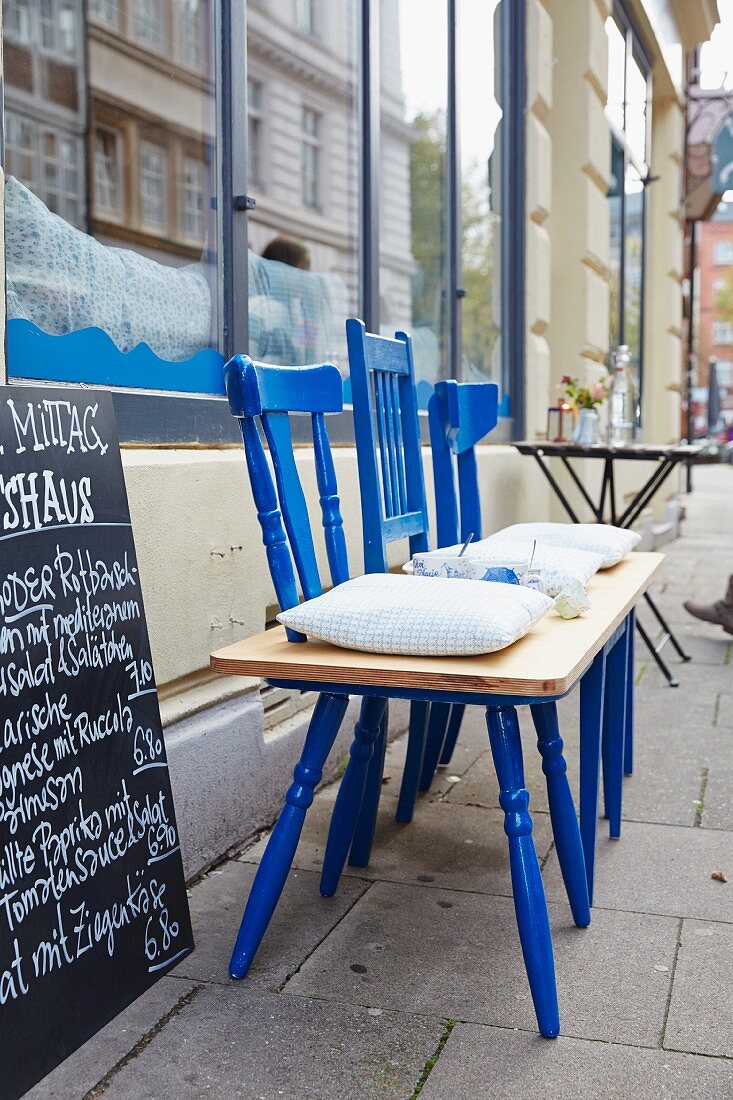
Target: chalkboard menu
[(93, 905)]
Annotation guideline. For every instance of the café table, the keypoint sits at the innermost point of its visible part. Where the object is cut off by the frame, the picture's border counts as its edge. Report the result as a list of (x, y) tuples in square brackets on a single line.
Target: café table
[(605, 508)]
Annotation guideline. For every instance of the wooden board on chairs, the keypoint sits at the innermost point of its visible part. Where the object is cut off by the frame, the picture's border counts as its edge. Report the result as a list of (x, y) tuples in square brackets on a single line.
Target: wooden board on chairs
[(547, 661)]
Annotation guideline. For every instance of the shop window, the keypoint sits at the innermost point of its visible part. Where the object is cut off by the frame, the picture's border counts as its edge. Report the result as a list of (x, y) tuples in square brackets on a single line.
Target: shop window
[(628, 112), (722, 332), (182, 268)]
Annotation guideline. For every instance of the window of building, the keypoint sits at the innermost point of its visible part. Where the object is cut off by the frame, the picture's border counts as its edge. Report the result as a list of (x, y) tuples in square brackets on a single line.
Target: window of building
[(192, 199), (305, 15), (20, 150), (136, 189), (255, 134), (148, 23), (106, 12), (628, 112), (723, 252), (725, 372), (59, 26), (153, 185), (107, 174), (189, 32), (18, 21), (722, 332), (310, 158)]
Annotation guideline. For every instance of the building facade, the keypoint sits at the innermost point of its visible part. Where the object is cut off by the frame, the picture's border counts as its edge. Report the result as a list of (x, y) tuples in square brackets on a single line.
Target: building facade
[(502, 180), (714, 322)]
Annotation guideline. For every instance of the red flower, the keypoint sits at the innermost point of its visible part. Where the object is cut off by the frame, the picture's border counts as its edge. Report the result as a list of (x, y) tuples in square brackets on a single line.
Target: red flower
[(566, 380)]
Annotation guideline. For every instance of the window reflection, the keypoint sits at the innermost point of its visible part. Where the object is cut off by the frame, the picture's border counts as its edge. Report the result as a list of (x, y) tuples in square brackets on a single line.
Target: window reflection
[(480, 213), (303, 164), (633, 261), (636, 111), (414, 245), (616, 72), (118, 143)]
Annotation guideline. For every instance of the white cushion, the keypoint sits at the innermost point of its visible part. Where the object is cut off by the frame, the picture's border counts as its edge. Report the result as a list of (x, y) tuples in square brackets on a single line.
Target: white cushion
[(612, 543), (419, 616), (558, 567)]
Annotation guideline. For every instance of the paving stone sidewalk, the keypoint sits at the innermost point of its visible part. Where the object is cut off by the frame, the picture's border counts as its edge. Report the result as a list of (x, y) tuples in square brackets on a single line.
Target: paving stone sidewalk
[(410, 980)]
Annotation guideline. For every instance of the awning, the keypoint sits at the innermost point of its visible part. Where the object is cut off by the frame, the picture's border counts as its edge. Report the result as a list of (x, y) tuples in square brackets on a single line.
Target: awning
[(709, 151)]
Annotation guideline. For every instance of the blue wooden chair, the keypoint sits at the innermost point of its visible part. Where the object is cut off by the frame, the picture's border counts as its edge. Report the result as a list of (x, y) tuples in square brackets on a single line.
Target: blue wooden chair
[(458, 415), (266, 396)]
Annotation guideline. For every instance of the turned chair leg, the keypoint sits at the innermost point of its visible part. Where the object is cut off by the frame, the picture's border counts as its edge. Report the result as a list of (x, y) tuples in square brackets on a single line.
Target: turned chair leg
[(351, 792), (273, 871), (361, 845), (437, 725), (413, 761), (565, 828), (630, 685), (529, 896), (614, 720), (454, 728), (591, 724)]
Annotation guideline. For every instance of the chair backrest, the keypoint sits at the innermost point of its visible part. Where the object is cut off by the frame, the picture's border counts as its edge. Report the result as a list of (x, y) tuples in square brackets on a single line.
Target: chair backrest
[(460, 414), (388, 448), (269, 395)]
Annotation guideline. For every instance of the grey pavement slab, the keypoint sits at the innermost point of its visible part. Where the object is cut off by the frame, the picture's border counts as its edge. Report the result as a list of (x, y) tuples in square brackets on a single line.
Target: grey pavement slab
[(88, 1065), (264, 1046), (724, 708), (484, 1063), (701, 1010), (300, 922), (660, 869), (460, 847), (670, 765), (457, 955), (718, 798)]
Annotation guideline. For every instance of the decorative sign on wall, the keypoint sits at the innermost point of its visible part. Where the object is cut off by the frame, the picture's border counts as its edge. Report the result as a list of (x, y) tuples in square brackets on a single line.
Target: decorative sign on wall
[(93, 906)]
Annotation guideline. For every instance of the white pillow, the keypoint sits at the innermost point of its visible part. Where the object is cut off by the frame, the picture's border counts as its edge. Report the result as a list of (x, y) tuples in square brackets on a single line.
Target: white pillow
[(558, 567), (419, 616), (612, 543)]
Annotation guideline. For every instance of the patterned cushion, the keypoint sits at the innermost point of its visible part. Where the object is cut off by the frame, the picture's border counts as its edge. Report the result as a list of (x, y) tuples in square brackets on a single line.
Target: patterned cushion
[(419, 616), (559, 568), (612, 543)]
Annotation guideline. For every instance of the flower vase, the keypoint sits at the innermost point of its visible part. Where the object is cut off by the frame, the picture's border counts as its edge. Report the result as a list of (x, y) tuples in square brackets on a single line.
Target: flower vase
[(587, 427)]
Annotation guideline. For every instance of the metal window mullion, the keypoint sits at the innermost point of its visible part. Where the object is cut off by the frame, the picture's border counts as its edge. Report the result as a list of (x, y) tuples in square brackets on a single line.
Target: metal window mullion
[(453, 199), (231, 157), (369, 123), (513, 230)]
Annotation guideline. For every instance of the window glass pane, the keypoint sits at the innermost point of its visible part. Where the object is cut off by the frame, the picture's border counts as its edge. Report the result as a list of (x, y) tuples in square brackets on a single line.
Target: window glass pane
[(633, 262), (479, 121), (122, 149), (414, 252), (636, 123), (615, 206), (304, 159), (616, 71)]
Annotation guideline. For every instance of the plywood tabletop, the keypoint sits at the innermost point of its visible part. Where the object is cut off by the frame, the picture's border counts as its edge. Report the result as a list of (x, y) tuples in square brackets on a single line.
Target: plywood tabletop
[(547, 661)]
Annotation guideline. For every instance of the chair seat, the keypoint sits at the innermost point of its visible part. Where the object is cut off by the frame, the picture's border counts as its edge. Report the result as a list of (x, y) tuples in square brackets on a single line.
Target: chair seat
[(546, 662)]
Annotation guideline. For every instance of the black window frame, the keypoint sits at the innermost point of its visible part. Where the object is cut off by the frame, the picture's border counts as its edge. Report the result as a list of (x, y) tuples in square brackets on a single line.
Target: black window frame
[(162, 417), (636, 50)]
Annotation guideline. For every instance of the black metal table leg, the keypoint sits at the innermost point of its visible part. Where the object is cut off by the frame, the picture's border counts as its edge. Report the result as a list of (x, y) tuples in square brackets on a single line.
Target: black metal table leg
[(671, 680), (557, 490), (666, 628)]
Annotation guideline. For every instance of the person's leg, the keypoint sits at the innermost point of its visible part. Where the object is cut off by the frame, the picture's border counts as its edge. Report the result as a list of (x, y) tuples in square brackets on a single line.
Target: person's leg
[(720, 612)]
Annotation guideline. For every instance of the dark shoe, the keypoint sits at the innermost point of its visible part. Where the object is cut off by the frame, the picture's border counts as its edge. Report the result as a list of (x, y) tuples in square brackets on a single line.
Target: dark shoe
[(720, 612)]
